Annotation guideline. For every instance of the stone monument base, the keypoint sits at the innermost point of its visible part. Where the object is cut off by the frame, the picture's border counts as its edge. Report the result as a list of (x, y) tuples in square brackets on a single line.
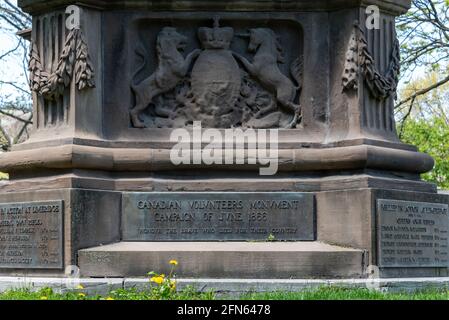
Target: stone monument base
[(96, 185), (303, 228)]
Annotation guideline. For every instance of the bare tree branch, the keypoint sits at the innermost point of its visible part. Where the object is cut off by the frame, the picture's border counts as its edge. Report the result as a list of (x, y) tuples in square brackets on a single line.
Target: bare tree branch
[(423, 92), (424, 35), (22, 130), (15, 117)]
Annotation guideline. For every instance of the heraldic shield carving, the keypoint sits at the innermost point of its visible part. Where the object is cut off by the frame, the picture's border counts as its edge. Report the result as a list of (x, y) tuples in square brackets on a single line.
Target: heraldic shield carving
[(218, 86)]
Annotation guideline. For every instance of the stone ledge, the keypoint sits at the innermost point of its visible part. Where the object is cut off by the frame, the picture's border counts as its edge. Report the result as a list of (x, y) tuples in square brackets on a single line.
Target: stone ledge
[(285, 260), (60, 285), (239, 286), (217, 182), (72, 156), (222, 286)]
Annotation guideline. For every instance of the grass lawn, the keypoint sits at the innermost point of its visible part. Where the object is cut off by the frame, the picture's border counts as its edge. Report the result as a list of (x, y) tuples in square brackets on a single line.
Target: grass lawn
[(324, 293)]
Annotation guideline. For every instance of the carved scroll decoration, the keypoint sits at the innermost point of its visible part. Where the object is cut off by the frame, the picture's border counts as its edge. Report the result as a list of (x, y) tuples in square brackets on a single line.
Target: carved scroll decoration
[(74, 60), (359, 61)]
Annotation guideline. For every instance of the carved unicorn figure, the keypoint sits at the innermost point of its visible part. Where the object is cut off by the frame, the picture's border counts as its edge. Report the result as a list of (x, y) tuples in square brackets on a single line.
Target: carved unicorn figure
[(265, 69)]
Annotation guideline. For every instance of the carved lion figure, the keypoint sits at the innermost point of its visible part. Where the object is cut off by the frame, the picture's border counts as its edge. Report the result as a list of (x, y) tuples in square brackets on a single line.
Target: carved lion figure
[(171, 69)]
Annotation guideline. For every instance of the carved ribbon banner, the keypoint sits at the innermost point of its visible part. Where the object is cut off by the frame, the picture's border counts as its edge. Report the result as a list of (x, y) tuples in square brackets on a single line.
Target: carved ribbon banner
[(74, 60), (359, 61)]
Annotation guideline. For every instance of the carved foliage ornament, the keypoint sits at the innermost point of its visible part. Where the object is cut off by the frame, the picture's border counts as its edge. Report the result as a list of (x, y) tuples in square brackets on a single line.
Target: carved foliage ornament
[(73, 61), (359, 62), (216, 85)]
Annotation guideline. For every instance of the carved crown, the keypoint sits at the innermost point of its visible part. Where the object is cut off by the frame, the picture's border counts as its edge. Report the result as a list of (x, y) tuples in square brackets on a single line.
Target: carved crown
[(216, 37)]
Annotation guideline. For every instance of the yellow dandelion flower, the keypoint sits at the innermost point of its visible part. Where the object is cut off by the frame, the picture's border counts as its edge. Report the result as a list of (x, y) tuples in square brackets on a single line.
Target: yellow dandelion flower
[(158, 279), (80, 287), (173, 284), (110, 298), (174, 262), (82, 295), (44, 298)]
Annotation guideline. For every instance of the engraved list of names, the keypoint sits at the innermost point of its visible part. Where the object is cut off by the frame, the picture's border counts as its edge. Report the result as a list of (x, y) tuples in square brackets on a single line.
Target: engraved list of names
[(412, 234), (31, 235)]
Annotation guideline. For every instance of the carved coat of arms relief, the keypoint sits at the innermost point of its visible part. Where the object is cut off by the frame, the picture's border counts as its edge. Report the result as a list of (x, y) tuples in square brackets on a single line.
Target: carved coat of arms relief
[(218, 86)]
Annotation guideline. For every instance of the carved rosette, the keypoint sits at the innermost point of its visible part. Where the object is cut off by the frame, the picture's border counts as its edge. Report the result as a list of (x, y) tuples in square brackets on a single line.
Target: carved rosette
[(360, 62), (73, 61)]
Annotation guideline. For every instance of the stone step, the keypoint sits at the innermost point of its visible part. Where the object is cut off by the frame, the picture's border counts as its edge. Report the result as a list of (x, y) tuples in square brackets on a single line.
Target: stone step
[(249, 260)]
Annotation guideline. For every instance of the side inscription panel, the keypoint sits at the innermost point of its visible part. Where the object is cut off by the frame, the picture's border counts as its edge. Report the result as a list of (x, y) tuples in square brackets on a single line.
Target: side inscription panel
[(31, 235), (412, 234)]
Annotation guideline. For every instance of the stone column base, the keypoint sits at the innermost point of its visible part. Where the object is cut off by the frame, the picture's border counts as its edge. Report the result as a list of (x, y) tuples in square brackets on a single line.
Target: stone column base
[(411, 228), (42, 230), (392, 233)]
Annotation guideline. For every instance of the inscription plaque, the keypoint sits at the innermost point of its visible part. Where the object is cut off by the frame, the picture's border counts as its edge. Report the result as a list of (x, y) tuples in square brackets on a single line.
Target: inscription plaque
[(217, 216), (412, 234), (31, 235)]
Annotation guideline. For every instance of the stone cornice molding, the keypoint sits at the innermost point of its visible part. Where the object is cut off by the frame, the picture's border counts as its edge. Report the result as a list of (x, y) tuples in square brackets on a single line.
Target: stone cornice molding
[(393, 6)]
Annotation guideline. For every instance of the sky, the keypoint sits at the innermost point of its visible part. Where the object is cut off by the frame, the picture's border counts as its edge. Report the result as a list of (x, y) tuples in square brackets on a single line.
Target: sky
[(10, 67)]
